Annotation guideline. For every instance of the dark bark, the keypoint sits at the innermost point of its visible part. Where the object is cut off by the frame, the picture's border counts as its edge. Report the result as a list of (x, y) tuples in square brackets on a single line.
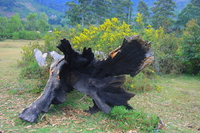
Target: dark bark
[(99, 79), (54, 91)]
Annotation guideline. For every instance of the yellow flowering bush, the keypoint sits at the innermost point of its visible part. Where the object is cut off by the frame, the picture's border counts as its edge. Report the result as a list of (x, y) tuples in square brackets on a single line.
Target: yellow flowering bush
[(166, 47), (104, 37), (139, 20)]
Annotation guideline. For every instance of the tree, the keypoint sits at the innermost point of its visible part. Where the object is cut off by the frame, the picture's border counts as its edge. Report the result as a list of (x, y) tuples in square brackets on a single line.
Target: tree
[(100, 9), (121, 9), (15, 24), (43, 23), (163, 13), (73, 12), (191, 11), (191, 47), (143, 9), (93, 11), (79, 12), (3, 29), (31, 22), (85, 9)]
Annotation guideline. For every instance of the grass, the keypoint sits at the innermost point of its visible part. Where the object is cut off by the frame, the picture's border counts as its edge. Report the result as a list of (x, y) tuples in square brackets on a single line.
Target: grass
[(175, 101)]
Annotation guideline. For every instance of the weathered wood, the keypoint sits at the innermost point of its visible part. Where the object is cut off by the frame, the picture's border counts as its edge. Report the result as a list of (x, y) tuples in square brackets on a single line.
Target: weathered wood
[(54, 91), (99, 79)]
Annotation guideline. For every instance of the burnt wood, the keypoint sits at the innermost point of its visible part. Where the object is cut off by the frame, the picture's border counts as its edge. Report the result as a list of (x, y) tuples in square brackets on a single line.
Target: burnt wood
[(99, 79)]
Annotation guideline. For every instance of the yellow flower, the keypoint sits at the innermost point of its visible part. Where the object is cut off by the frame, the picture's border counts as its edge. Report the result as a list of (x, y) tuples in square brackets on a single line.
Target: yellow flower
[(78, 25), (98, 45), (132, 85), (115, 20), (72, 30), (86, 31), (139, 18), (95, 29), (149, 26), (102, 27)]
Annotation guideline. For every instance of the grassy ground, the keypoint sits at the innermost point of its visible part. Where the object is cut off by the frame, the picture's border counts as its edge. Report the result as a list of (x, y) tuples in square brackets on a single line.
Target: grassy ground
[(176, 102)]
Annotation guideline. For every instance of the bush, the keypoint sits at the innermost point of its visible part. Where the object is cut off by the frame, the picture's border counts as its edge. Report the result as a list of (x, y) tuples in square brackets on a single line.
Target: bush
[(105, 37), (165, 50), (29, 35), (141, 82), (133, 119), (191, 48), (29, 67), (15, 35)]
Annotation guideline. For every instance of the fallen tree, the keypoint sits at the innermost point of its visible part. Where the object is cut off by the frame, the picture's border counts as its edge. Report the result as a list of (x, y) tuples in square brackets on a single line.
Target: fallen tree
[(99, 79)]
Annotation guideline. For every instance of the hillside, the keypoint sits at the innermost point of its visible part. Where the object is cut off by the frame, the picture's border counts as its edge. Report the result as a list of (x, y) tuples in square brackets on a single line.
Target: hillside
[(52, 7), (23, 7), (180, 3)]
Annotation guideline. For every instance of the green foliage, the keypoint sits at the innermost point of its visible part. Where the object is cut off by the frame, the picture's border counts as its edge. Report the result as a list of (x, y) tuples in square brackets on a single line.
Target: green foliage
[(191, 11), (31, 22), (166, 54), (100, 12), (14, 28), (165, 48), (15, 35), (191, 47), (52, 40), (28, 54), (31, 35), (95, 11), (143, 9), (14, 24), (142, 82), (134, 119), (163, 13), (29, 67), (121, 9), (3, 29)]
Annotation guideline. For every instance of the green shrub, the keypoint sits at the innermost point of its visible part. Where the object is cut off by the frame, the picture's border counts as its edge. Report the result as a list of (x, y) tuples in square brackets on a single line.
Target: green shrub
[(142, 82), (15, 35), (133, 119), (29, 67), (191, 48), (29, 35), (166, 53)]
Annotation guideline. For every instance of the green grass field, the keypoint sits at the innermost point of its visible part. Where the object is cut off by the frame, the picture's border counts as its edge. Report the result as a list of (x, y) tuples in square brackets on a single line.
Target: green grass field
[(176, 102)]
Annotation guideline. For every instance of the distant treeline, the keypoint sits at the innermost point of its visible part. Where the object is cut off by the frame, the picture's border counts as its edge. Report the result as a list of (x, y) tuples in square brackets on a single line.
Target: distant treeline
[(86, 12), (33, 27)]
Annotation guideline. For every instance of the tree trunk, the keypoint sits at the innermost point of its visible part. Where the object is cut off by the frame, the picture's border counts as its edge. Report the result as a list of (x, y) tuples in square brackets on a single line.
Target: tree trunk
[(99, 79)]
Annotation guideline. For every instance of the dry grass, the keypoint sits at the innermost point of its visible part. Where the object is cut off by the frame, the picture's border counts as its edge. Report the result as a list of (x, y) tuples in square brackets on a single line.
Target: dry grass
[(177, 104)]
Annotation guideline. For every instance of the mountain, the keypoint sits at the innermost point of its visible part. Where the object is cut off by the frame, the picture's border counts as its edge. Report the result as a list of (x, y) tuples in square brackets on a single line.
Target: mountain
[(24, 7), (57, 7)]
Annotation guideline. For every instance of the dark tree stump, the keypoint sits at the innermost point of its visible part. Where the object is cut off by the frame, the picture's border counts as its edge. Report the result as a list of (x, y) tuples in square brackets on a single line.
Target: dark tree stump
[(99, 79)]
